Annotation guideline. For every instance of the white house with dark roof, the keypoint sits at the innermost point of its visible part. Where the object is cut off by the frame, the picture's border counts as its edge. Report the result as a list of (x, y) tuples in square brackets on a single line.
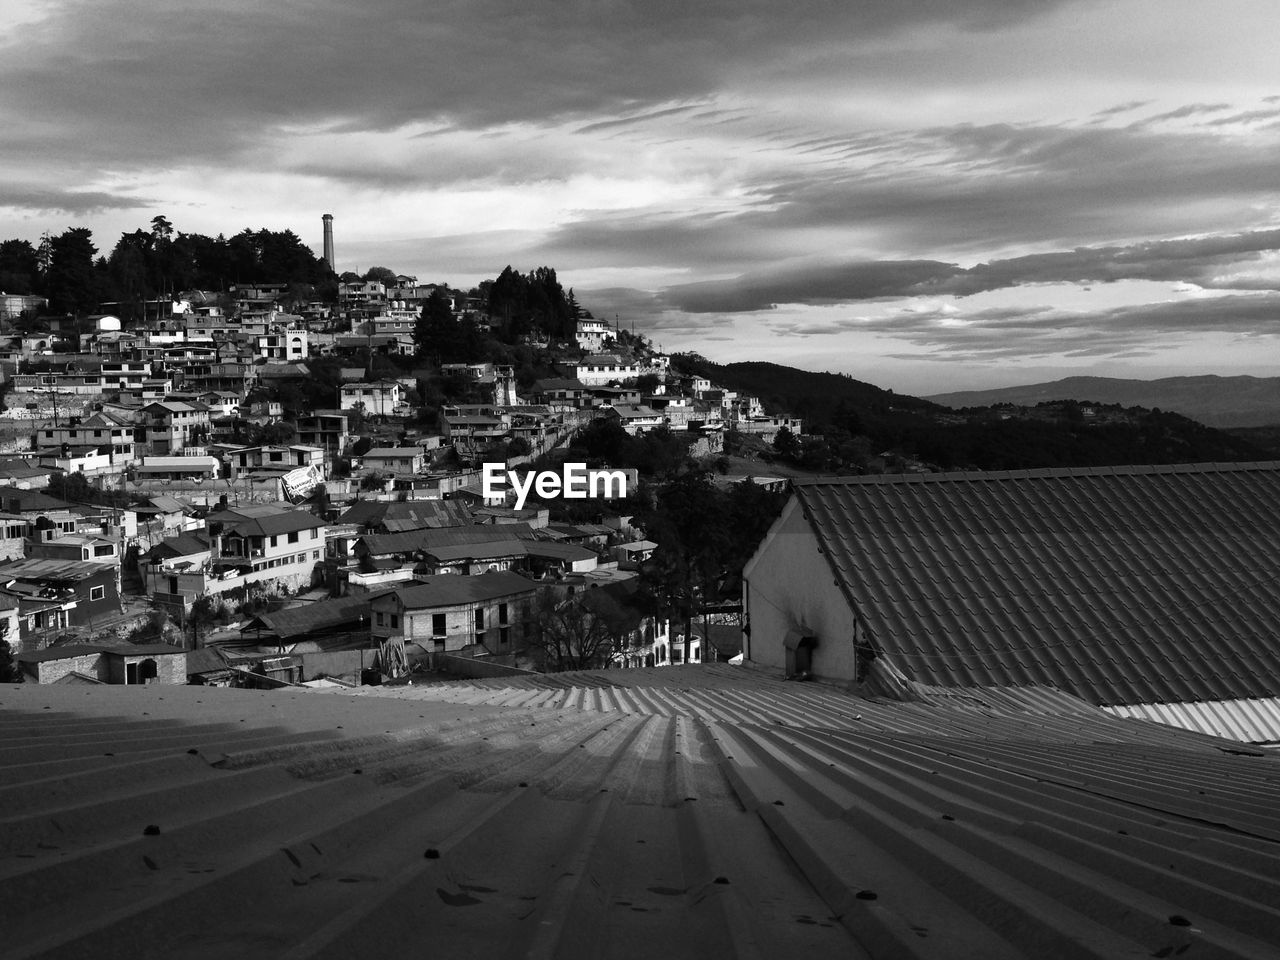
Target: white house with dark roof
[(264, 545), (594, 335), (395, 459), (375, 397), (606, 368), (1147, 590)]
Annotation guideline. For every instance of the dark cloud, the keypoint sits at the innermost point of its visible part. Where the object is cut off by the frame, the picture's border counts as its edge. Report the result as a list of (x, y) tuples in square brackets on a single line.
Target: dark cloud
[(975, 187), (143, 80), (1187, 110), (641, 118), (944, 194), (1122, 108), (1196, 260), (49, 200), (812, 283), (1247, 116)]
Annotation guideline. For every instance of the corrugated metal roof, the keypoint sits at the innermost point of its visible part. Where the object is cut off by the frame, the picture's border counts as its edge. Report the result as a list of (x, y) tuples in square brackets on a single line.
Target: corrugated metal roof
[(47, 568), (1119, 584), (1253, 721), (188, 822)]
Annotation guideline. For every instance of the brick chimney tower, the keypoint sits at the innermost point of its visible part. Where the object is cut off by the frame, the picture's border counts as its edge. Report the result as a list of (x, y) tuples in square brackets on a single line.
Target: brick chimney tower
[(328, 240)]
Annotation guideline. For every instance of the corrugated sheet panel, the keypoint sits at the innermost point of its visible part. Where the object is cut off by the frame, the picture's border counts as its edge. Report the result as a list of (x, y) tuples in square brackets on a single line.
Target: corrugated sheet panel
[(680, 813), (1253, 721), (718, 814), (1118, 585)]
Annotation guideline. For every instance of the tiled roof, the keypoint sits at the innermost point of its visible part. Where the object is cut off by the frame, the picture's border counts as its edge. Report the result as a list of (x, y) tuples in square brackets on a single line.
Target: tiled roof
[(407, 515), (490, 549), (20, 501), (1119, 585), (266, 520), (283, 371), (295, 622), (65, 652), (447, 590), (183, 545), (168, 504), (430, 538), (677, 813)]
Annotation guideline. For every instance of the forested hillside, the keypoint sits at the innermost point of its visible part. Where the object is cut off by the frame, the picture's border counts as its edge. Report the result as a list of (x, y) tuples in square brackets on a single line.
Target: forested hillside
[(860, 422)]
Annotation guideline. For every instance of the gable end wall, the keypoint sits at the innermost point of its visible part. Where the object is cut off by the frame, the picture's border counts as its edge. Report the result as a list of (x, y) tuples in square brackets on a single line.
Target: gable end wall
[(790, 583)]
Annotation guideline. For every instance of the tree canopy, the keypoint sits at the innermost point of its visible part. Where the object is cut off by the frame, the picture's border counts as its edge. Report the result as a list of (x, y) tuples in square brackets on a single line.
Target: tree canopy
[(521, 304)]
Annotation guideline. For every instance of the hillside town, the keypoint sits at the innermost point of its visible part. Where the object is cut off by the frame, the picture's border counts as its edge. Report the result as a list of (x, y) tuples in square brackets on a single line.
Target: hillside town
[(532, 639), (246, 488)]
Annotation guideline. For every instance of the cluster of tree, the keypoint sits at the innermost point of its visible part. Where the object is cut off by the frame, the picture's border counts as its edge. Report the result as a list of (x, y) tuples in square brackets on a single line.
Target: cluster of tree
[(445, 338), (20, 268), (149, 264), (573, 633), (655, 453), (10, 672), (76, 488), (522, 304), (705, 535), (1149, 436)]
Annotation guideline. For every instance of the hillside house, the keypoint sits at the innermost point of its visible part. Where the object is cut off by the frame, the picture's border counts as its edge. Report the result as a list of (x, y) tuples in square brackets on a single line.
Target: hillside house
[(265, 545), (606, 369), (95, 663), (395, 459), (58, 595), (281, 459), (329, 430), (594, 335), (103, 431), (383, 398), (281, 346), (158, 469), (635, 418), (170, 426), (491, 614)]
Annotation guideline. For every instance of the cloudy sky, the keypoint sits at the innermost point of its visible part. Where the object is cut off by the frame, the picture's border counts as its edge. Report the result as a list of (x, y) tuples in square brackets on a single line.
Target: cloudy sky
[(927, 194)]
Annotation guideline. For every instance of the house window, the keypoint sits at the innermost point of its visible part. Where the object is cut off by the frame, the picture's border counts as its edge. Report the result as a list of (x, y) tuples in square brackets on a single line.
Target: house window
[(377, 618), (395, 621), (479, 620), (504, 636), (437, 625), (293, 537), (502, 613)]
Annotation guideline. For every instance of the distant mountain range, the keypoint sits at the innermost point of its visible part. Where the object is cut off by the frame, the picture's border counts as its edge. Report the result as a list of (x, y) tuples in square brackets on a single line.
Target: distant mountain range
[(1214, 401)]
